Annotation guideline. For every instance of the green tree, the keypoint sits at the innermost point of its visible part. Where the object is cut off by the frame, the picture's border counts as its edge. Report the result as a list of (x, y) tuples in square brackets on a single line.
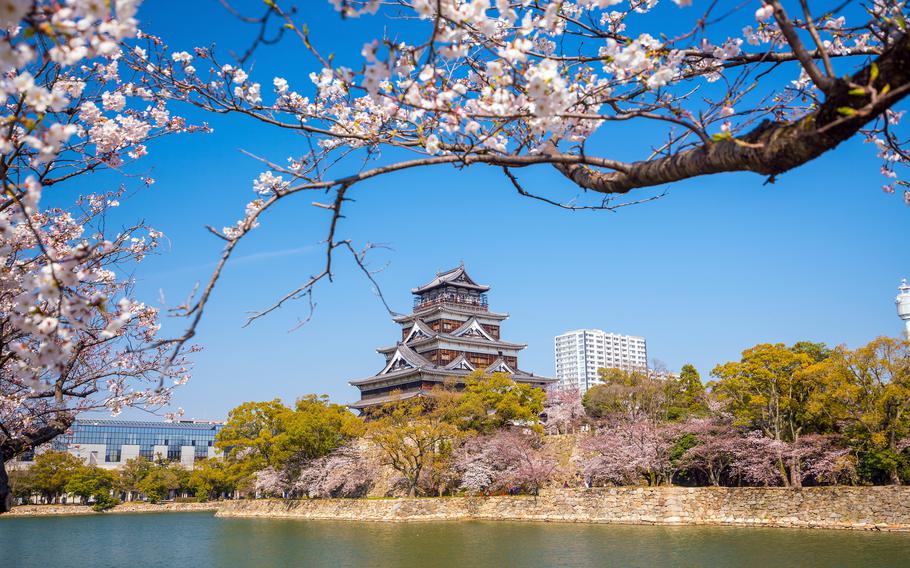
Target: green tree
[(773, 388), (255, 432), (51, 471), (490, 402), (90, 481), (691, 391), (104, 501), (412, 435), (818, 352), (314, 429), (211, 478), (21, 484), (131, 474), (633, 396), (160, 480), (770, 389), (867, 390)]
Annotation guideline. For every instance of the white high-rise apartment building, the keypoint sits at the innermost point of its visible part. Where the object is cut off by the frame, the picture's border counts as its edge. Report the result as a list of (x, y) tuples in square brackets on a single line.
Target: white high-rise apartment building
[(580, 353)]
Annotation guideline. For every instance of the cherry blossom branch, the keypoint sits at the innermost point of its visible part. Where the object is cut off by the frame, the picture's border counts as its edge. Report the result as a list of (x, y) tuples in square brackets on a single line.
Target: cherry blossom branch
[(786, 26), (773, 147)]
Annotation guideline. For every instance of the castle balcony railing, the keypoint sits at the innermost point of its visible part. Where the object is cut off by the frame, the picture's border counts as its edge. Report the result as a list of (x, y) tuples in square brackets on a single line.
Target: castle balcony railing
[(478, 304)]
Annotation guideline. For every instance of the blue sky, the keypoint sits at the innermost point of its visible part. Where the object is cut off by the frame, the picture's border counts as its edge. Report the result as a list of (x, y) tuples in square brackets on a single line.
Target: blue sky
[(719, 264)]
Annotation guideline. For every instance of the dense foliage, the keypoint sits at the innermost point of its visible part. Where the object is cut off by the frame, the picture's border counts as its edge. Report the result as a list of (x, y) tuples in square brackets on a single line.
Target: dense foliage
[(779, 416), (782, 415), (54, 475)]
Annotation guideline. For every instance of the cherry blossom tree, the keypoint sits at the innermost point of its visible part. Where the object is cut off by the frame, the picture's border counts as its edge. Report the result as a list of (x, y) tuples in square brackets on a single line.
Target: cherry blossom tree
[(505, 460), (272, 482), (564, 411), (715, 450), (823, 459), (73, 337), (624, 453), (349, 471), (757, 460), (724, 454), (762, 86)]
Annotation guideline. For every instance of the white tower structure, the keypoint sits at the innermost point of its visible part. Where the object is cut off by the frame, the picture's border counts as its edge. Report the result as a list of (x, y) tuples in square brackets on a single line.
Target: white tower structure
[(903, 305)]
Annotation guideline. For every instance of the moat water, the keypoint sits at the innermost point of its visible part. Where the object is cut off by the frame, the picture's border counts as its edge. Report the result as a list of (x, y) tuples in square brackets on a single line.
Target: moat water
[(199, 540)]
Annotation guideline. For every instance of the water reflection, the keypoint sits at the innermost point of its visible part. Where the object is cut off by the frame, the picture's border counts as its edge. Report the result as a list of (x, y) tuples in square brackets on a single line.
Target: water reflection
[(202, 541)]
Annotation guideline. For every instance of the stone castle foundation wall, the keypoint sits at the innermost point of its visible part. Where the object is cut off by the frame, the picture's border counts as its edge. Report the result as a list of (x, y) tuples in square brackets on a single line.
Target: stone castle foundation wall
[(131, 507), (870, 508)]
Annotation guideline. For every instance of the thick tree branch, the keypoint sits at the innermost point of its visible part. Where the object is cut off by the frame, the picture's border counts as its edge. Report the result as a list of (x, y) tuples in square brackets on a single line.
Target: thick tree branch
[(773, 147), (11, 447)]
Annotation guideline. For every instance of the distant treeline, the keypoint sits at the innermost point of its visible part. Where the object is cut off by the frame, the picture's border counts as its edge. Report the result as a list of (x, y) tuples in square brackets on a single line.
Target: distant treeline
[(55, 475), (782, 415)]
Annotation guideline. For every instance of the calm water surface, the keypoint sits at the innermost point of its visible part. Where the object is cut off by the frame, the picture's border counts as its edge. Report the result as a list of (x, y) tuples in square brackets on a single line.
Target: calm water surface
[(199, 540)]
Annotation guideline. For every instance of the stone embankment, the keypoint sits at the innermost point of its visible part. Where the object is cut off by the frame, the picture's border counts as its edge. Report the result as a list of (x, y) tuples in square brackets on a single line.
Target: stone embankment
[(132, 507), (868, 508)]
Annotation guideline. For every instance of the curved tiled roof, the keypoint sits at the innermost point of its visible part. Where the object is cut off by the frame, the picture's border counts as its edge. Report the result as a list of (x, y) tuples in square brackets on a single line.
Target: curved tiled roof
[(456, 277), (470, 340), (449, 308)]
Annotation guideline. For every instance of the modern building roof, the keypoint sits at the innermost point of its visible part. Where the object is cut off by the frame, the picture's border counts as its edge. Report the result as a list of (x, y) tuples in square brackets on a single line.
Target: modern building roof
[(457, 277), (183, 424)]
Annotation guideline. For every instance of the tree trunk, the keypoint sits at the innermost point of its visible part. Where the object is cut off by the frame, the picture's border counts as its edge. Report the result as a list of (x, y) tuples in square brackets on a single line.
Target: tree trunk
[(782, 468), (30, 440), (6, 493), (796, 474)]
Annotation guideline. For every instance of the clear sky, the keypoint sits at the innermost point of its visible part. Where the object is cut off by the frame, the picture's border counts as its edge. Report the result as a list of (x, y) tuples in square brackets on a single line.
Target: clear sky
[(719, 264)]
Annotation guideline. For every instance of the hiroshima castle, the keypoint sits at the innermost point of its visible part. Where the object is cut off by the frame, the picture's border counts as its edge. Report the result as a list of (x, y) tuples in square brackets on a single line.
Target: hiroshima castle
[(451, 333)]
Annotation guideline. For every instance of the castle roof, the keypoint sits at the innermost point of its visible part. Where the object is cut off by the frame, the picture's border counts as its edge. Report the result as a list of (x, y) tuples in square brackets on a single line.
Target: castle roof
[(455, 297), (448, 309), (469, 333), (405, 362), (457, 277)]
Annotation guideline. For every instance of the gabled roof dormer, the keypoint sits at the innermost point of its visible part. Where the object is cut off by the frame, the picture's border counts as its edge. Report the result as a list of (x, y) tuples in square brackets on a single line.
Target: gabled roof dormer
[(404, 358), (472, 328), (419, 331), (499, 366), (460, 363)]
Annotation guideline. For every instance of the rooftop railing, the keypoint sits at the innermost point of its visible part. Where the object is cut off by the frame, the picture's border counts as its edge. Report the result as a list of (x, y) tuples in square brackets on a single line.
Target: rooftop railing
[(477, 303)]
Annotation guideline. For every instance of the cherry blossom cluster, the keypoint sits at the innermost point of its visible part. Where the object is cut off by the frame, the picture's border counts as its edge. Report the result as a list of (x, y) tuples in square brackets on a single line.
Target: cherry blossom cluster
[(349, 471), (722, 454), (627, 452), (516, 83), (564, 411), (508, 459), (73, 336)]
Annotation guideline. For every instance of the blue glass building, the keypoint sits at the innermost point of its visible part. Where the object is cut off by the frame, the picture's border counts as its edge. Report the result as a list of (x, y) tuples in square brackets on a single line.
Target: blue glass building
[(110, 443)]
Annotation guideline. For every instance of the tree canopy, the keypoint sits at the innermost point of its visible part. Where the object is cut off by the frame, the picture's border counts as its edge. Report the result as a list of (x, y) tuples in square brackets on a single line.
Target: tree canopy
[(262, 434), (771, 388), (490, 402)]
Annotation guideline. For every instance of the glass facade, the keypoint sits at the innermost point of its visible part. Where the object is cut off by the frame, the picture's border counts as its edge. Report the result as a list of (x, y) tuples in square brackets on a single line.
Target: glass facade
[(115, 434)]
